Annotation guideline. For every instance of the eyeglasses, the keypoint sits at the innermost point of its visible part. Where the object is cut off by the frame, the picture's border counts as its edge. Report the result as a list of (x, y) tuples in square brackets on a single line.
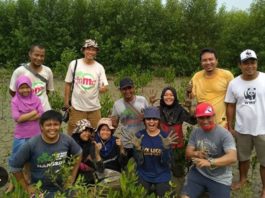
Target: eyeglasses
[(154, 119)]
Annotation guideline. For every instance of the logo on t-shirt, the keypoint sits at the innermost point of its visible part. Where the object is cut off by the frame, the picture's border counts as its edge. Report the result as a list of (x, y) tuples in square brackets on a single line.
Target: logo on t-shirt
[(85, 80), (250, 95), (38, 87)]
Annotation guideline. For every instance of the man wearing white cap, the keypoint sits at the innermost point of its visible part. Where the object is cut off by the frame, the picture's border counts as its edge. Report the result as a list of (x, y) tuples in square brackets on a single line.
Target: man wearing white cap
[(86, 77), (245, 100)]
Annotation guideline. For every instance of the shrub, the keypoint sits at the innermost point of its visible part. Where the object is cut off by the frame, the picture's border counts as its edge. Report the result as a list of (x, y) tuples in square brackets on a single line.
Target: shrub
[(56, 100), (61, 66)]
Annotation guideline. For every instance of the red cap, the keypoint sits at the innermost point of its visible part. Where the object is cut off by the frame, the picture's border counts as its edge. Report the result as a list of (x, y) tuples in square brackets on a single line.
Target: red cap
[(204, 109)]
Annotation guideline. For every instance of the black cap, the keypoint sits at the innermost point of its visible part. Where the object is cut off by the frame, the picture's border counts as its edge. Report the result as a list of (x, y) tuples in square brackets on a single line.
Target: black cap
[(126, 82)]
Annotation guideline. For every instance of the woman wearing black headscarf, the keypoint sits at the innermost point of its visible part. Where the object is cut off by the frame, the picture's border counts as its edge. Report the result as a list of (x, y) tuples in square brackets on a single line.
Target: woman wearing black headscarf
[(172, 117)]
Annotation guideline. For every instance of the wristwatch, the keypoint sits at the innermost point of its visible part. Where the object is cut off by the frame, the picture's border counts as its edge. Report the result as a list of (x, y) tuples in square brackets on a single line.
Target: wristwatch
[(212, 163)]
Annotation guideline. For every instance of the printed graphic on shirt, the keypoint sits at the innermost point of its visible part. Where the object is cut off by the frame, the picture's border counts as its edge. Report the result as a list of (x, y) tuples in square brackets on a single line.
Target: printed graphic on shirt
[(46, 160), (38, 87), (85, 81), (152, 151), (250, 95), (207, 146), (130, 119)]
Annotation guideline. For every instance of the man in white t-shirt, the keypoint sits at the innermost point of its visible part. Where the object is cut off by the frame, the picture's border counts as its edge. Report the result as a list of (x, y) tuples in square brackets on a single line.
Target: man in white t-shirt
[(245, 100), (89, 80), (40, 75)]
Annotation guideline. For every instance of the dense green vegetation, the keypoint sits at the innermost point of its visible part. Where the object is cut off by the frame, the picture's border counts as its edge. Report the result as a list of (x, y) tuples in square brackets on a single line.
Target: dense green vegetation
[(141, 33)]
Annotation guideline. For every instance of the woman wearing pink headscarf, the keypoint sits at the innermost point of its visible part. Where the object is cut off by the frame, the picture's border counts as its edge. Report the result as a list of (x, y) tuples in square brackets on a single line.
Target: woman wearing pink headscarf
[(26, 110)]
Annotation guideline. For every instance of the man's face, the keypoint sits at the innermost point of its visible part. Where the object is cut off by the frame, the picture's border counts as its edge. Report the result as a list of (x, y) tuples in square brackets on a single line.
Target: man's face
[(209, 62), (37, 56), (90, 53), (249, 68), (128, 93), (206, 122), (50, 130)]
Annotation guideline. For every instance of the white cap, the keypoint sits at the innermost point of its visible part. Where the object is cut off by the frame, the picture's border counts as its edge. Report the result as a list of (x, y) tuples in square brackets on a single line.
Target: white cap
[(247, 54)]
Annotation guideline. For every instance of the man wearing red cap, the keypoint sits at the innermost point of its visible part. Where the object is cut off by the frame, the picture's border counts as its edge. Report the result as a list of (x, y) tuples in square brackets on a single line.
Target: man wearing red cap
[(245, 100), (212, 150)]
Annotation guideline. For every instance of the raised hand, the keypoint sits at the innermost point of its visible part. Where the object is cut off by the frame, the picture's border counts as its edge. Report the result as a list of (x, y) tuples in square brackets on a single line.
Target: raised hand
[(131, 138), (169, 140), (152, 97)]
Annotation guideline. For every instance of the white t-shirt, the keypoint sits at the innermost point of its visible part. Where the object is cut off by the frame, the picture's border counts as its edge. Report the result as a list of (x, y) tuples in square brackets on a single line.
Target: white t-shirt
[(39, 87), (88, 79), (249, 97), (128, 117)]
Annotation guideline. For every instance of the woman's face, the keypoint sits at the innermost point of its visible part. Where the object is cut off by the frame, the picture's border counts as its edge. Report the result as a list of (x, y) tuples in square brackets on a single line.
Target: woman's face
[(24, 90), (168, 97), (105, 133), (151, 124), (85, 135)]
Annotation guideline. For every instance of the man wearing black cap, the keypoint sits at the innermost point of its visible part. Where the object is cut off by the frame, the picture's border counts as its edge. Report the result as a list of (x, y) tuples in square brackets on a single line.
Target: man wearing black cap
[(129, 109), (84, 80), (245, 100)]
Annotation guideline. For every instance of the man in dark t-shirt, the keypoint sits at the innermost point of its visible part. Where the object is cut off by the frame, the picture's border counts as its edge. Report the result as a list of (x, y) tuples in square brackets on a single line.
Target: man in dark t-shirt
[(46, 154)]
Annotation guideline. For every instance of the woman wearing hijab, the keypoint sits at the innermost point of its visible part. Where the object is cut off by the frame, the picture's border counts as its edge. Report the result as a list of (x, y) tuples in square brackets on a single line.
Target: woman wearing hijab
[(26, 110), (172, 117)]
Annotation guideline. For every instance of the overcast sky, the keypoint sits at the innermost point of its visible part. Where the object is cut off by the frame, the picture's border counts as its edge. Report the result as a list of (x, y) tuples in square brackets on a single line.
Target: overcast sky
[(235, 4)]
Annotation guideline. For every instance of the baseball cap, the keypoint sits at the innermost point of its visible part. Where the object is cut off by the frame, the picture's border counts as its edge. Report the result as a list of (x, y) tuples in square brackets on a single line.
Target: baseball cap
[(126, 82), (152, 112), (106, 121), (204, 109), (90, 43), (247, 54), (82, 125)]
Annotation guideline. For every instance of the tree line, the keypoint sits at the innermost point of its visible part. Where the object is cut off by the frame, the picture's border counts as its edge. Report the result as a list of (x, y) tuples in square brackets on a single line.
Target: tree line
[(145, 34)]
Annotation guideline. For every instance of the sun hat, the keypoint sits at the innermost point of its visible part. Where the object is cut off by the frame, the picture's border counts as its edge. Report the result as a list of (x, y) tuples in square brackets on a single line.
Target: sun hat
[(82, 125), (90, 43), (204, 109), (152, 112), (247, 54), (126, 82), (105, 121)]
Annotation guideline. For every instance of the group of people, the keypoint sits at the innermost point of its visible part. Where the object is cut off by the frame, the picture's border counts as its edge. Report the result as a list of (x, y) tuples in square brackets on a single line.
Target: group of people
[(152, 136)]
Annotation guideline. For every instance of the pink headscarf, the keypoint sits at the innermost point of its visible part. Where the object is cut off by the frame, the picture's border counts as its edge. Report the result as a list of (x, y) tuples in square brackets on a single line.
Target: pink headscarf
[(28, 103)]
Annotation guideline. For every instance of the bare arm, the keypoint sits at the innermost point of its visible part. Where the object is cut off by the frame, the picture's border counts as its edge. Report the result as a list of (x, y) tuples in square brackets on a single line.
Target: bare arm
[(192, 153), (33, 115), (230, 113), (21, 180), (67, 91), (229, 158), (75, 169)]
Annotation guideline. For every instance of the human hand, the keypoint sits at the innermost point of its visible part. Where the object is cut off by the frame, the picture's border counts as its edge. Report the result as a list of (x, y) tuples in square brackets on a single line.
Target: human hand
[(98, 147), (201, 162), (169, 140), (200, 154), (152, 97), (118, 142), (131, 138), (102, 88)]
